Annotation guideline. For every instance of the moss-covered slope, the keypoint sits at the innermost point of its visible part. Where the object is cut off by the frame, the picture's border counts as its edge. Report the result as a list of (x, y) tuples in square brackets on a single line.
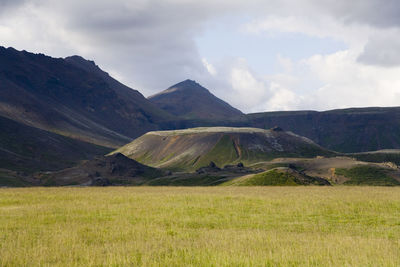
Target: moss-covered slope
[(278, 177), (193, 148)]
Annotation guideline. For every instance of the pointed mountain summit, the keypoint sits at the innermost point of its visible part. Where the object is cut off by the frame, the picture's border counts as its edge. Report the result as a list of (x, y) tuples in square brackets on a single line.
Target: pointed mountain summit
[(190, 100)]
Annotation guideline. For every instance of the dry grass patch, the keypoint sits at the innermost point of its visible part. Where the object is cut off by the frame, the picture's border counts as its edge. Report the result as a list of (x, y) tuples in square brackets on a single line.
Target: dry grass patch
[(200, 226)]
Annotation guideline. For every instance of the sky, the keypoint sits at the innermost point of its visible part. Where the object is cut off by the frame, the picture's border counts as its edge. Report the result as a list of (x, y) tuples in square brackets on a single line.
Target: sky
[(258, 55)]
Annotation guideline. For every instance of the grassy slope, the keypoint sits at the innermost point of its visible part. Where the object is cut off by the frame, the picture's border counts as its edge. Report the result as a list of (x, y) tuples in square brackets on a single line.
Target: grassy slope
[(222, 153), (194, 148), (378, 157), (235, 226), (276, 177), (189, 180), (367, 175), (271, 177)]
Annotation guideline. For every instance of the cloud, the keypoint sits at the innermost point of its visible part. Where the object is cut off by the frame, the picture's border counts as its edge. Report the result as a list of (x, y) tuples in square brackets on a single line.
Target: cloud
[(210, 68), (382, 49), (281, 98), (377, 13), (243, 88), (348, 83), (6, 4), (150, 45)]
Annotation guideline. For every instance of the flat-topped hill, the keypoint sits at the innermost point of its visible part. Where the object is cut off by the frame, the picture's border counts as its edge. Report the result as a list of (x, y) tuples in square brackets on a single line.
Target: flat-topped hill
[(190, 149)]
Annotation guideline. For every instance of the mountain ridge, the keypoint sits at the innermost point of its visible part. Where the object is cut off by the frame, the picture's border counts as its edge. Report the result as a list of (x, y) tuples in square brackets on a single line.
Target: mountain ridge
[(67, 97)]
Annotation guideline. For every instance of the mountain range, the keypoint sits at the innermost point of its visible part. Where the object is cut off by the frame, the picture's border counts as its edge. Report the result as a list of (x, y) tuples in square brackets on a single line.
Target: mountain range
[(56, 112)]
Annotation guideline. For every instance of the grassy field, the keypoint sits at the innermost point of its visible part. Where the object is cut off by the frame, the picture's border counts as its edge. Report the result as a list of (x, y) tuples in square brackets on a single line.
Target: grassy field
[(200, 226)]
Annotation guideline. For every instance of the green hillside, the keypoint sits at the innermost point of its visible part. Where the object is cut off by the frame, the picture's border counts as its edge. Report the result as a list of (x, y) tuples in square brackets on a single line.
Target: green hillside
[(277, 177), (367, 175), (193, 148)]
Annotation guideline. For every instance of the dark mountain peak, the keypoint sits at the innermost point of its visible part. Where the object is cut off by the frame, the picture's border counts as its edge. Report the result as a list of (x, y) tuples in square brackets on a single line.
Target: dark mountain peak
[(186, 86), (191, 100), (82, 63), (80, 59), (8, 49), (11, 52), (3, 49), (187, 83)]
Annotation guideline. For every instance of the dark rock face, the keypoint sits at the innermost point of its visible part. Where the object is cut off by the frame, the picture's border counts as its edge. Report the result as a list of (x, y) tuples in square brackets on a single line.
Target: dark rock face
[(345, 130), (28, 149), (105, 170), (99, 181), (115, 165), (240, 168), (232, 169), (277, 129), (74, 97), (189, 99), (212, 167)]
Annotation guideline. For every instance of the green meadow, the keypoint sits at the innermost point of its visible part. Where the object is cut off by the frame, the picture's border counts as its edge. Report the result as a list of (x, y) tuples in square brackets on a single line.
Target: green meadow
[(200, 226)]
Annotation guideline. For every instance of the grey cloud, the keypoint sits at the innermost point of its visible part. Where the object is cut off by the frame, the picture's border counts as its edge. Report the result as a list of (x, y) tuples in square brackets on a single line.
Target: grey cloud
[(382, 50), (150, 43), (6, 5), (375, 13)]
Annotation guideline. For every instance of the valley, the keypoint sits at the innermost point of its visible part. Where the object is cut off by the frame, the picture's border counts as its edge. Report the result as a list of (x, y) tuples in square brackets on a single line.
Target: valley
[(199, 133)]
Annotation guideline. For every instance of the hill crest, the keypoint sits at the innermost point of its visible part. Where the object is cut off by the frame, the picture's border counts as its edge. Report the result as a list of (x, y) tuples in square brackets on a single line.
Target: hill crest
[(190, 149)]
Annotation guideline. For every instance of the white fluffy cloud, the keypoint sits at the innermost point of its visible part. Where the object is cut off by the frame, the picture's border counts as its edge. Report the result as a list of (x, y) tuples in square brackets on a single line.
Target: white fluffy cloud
[(367, 73), (151, 44), (349, 83)]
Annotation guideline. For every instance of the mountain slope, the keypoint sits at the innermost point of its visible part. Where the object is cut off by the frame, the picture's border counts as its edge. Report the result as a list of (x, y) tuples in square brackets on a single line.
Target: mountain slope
[(28, 149), (73, 97), (193, 148), (281, 176), (111, 170), (345, 130), (189, 99)]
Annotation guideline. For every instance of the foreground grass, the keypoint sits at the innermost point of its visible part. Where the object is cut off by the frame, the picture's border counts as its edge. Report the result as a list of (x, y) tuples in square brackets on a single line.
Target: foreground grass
[(209, 226)]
